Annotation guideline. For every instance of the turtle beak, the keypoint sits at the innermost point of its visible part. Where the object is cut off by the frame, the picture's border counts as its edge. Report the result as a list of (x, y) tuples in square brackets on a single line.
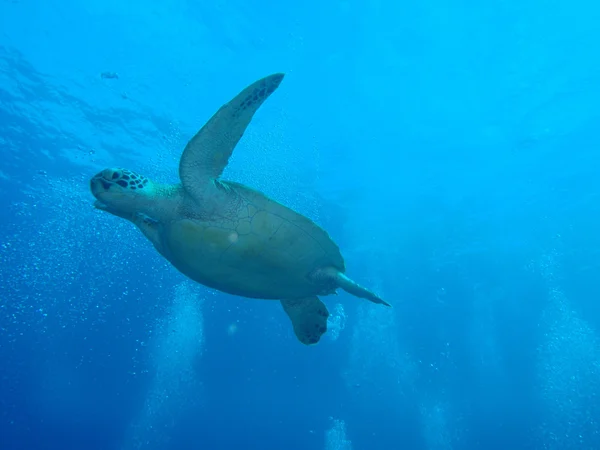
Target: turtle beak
[(99, 186), (99, 205), (98, 183), (94, 185)]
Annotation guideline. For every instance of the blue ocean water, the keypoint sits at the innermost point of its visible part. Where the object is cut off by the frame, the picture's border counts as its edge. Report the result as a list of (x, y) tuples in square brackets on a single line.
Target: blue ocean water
[(449, 148)]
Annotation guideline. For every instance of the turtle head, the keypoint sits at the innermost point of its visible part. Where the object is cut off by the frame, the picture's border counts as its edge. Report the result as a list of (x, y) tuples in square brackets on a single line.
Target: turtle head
[(121, 192)]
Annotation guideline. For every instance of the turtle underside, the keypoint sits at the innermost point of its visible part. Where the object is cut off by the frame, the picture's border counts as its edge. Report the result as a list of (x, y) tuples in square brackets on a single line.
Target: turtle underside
[(259, 249)]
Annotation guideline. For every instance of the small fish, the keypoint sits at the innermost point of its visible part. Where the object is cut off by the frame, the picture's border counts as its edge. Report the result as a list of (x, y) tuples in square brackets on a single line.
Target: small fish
[(109, 75)]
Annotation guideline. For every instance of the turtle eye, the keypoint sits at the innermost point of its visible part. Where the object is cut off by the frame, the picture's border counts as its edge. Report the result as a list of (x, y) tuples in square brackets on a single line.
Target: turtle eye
[(115, 175)]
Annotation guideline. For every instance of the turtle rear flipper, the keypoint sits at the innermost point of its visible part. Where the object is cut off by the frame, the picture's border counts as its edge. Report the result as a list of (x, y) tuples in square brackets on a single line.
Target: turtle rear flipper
[(309, 318)]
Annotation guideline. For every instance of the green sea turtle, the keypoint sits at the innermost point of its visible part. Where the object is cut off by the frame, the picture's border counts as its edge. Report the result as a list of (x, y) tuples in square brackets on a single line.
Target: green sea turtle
[(230, 237)]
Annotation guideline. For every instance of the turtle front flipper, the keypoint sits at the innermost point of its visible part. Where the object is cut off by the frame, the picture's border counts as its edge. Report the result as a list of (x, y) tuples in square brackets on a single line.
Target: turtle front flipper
[(309, 318), (206, 155)]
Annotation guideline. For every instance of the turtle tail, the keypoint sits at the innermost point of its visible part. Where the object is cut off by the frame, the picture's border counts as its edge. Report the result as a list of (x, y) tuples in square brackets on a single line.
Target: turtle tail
[(356, 289)]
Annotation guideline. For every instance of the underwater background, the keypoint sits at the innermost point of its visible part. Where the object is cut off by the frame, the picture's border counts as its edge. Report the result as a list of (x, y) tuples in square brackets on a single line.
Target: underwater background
[(450, 148)]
